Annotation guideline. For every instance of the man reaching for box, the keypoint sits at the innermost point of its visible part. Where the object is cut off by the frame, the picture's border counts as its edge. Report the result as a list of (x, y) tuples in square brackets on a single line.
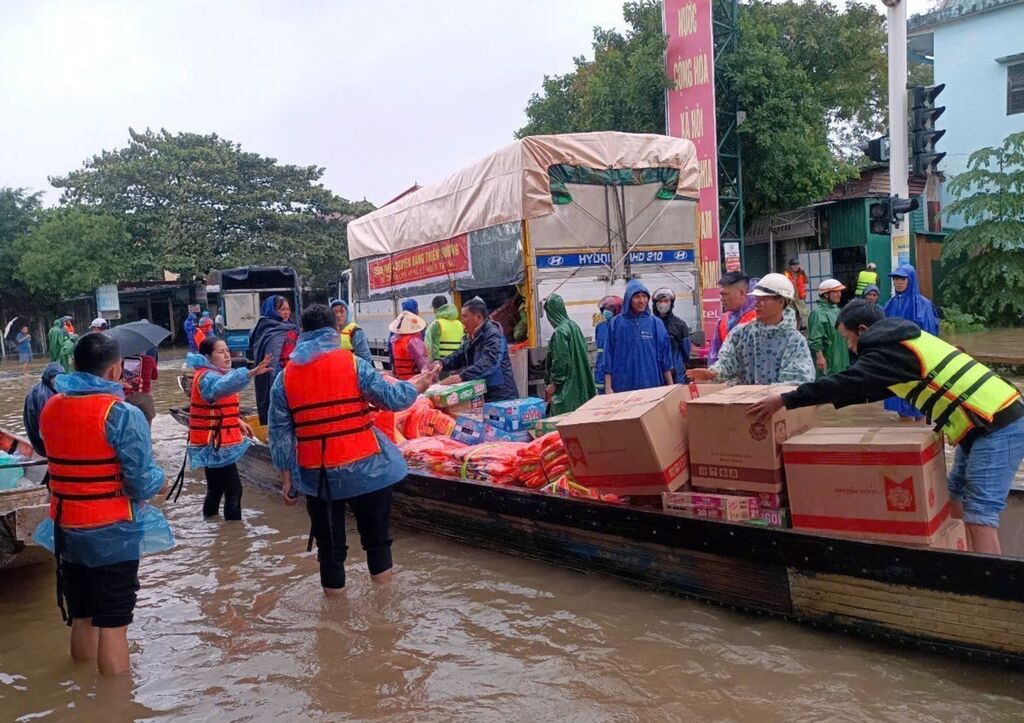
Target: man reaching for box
[(979, 412)]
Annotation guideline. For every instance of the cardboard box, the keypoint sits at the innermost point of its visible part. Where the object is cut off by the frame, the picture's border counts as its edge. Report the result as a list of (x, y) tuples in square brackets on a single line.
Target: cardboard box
[(515, 415), (768, 500), (778, 517), (493, 434), (880, 483), (725, 507), (448, 395), (952, 536), (632, 443), (548, 424), (731, 451), (473, 408), (468, 430)]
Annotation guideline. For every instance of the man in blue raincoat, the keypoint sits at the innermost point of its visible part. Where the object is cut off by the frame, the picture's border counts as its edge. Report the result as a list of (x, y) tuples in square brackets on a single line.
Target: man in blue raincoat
[(908, 303), (639, 354), (319, 365), (98, 564)]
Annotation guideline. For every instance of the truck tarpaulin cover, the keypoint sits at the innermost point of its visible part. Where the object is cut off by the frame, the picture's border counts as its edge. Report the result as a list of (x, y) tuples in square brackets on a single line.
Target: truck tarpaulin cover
[(512, 184), (258, 277), (483, 258)]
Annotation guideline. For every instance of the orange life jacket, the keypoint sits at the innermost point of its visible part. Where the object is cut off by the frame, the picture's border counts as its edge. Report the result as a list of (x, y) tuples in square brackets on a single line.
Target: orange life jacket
[(215, 425), (723, 323), (85, 475), (405, 367), (331, 418)]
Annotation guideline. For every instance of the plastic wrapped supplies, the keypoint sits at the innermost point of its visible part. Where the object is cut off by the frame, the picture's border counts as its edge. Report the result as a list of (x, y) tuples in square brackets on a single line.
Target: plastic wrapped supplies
[(494, 462), (543, 460), (423, 420), (434, 455)]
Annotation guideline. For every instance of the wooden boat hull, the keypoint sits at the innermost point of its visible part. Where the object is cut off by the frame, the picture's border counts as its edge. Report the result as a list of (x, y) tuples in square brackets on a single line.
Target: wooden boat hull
[(22, 508), (970, 606)]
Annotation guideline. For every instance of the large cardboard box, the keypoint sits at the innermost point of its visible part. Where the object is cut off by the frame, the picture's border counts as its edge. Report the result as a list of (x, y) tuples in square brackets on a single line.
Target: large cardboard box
[(952, 536), (632, 443), (880, 483), (731, 451)]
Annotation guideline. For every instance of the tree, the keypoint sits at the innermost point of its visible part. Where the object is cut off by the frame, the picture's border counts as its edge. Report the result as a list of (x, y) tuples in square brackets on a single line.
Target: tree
[(195, 202), (811, 79), (985, 259), (72, 251), (20, 211)]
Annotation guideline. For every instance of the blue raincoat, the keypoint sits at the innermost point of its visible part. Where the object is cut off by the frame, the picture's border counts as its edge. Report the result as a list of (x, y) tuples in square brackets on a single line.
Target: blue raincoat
[(366, 475), (601, 343), (910, 305), (360, 346), (35, 401), (128, 433), (411, 305), (639, 351), (267, 338), (213, 385), (190, 331)]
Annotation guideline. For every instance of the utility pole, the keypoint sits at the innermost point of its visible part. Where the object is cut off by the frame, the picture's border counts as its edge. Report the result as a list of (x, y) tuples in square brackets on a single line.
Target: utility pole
[(898, 126)]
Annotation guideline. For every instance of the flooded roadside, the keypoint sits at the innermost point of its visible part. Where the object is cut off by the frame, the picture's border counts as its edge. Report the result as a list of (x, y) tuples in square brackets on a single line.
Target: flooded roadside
[(231, 625)]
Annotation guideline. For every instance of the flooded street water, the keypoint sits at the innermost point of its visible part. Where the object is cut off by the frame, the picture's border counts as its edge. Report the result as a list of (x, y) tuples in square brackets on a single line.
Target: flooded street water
[(232, 625)]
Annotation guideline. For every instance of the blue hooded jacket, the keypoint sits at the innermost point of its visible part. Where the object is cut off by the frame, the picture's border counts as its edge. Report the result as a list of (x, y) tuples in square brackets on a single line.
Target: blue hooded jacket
[(411, 305), (34, 403), (216, 384), (190, 331), (639, 352), (128, 433), (910, 305), (601, 344), (367, 475)]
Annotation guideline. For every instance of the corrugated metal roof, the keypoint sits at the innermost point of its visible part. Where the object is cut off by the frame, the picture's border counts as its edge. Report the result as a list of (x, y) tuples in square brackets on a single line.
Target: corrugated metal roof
[(872, 183)]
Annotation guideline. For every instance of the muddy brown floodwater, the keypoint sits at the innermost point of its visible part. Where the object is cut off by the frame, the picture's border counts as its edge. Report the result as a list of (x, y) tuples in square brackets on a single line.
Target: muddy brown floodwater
[(232, 626)]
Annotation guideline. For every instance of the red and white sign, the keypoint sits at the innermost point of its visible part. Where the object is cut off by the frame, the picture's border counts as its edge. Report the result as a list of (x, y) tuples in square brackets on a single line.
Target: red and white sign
[(448, 259), (690, 113)]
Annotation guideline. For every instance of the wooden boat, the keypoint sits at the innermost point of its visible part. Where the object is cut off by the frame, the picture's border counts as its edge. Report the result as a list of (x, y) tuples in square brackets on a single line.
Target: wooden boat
[(23, 507), (967, 605)]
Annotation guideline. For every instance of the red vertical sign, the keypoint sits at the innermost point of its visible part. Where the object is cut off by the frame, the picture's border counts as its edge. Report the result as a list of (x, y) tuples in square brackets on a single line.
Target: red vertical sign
[(690, 113)]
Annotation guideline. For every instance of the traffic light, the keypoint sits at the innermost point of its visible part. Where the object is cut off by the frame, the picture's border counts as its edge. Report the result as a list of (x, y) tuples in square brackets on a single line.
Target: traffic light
[(923, 134), (879, 215), (886, 211), (877, 149)]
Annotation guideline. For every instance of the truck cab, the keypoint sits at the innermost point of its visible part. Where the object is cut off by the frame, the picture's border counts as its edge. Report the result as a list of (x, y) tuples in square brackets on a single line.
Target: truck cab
[(243, 291)]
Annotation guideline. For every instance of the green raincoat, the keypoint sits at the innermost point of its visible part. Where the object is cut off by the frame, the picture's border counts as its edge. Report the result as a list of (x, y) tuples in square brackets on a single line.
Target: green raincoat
[(568, 366), (55, 339), (432, 338), (822, 336), (67, 351)]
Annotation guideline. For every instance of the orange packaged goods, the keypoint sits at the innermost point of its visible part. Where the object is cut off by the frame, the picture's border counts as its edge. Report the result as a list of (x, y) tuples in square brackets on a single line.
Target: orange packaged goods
[(730, 451), (880, 483), (632, 443), (494, 462), (423, 420), (543, 461), (440, 456)]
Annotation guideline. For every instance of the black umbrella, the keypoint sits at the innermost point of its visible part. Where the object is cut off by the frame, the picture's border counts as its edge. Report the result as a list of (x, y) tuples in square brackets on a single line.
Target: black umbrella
[(138, 336), (14, 326)]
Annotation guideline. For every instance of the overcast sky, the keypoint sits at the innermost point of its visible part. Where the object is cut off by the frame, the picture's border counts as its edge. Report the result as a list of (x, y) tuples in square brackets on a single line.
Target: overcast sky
[(380, 93)]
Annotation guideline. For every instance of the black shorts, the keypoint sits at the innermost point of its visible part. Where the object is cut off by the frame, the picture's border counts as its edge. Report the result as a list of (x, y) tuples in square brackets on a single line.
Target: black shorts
[(105, 595)]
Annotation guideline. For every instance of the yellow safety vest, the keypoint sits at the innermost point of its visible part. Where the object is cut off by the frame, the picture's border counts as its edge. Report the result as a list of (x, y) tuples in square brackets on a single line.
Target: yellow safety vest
[(864, 279), (346, 335), (450, 337), (955, 391)]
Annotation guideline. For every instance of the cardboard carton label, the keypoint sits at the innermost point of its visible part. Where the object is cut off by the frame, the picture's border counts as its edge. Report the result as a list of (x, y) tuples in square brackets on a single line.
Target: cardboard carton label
[(899, 496)]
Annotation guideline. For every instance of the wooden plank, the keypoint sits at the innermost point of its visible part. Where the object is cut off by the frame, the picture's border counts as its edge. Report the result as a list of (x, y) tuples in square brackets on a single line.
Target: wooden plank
[(907, 610), (26, 519), (690, 573)]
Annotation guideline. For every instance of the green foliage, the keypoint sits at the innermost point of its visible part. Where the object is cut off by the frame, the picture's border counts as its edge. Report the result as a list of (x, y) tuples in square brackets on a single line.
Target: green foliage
[(811, 78), (19, 212), (985, 259), (196, 202), (954, 321), (71, 252), (621, 89)]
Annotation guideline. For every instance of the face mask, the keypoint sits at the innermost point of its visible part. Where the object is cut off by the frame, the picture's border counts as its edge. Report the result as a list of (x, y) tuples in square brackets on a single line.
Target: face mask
[(607, 314), (664, 306)]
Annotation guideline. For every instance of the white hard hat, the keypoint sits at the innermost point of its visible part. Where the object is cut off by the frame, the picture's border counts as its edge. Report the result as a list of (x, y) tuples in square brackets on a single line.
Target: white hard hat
[(774, 285), (830, 285), (100, 322), (663, 292), (872, 265)]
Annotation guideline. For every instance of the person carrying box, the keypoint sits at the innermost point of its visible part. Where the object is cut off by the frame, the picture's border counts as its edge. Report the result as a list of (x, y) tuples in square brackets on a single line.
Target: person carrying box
[(978, 411)]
